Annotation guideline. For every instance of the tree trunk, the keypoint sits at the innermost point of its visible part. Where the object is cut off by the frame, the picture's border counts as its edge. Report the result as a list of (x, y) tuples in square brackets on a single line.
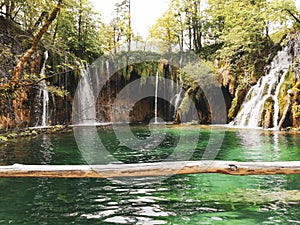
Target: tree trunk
[(150, 169), (36, 40), (129, 26)]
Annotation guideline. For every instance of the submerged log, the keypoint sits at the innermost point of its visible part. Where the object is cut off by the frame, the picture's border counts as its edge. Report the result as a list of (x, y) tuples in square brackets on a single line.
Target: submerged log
[(150, 169)]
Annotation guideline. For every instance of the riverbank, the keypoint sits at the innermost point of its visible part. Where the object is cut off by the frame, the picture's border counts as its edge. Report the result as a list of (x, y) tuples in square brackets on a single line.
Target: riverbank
[(34, 131)]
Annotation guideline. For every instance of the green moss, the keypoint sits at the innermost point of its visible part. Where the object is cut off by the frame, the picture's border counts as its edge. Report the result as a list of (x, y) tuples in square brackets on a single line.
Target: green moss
[(296, 111), (269, 104), (290, 83), (186, 105), (3, 139), (30, 132), (237, 102), (267, 114), (186, 102), (276, 37)]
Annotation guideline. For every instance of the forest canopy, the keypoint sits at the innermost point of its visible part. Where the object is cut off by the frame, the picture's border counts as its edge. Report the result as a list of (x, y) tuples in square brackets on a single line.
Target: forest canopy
[(230, 26)]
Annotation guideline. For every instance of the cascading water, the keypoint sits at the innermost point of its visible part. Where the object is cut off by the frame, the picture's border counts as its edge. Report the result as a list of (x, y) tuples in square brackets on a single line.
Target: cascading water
[(156, 98), (85, 107), (176, 100), (268, 87), (45, 114), (178, 97), (107, 67), (44, 96)]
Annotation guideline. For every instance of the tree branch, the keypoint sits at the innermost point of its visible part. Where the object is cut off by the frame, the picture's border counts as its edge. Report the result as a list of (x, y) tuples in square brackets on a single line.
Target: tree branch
[(36, 40), (293, 15)]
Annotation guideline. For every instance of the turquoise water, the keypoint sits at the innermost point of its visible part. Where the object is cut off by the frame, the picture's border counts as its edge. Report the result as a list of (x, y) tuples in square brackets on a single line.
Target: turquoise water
[(180, 199)]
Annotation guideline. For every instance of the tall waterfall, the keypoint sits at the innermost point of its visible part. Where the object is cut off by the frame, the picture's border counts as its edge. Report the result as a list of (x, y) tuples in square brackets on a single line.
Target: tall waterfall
[(107, 67), (268, 87), (156, 98), (44, 95), (85, 107), (178, 96)]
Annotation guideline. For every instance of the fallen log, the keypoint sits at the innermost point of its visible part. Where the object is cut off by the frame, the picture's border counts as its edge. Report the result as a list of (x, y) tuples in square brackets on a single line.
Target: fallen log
[(150, 169)]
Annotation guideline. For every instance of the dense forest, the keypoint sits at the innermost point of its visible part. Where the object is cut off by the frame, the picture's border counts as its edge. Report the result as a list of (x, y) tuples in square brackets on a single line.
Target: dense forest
[(237, 39)]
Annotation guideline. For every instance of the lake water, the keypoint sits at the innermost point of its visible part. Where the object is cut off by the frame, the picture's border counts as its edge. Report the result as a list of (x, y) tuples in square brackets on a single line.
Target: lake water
[(179, 199)]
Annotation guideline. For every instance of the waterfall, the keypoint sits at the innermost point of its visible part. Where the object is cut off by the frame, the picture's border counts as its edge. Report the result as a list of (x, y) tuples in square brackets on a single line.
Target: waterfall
[(178, 97), (107, 67), (108, 78), (85, 107), (268, 87), (156, 94), (44, 95), (45, 114)]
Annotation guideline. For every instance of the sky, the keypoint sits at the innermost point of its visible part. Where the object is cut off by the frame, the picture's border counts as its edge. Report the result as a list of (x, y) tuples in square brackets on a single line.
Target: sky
[(144, 13)]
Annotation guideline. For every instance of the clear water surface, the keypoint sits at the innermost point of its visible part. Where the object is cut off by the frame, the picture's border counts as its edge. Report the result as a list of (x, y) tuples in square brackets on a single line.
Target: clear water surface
[(180, 199)]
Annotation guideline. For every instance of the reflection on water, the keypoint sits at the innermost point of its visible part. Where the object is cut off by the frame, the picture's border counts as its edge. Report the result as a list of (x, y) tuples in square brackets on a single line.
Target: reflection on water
[(260, 146), (180, 200), (184, 199), (47, 150)]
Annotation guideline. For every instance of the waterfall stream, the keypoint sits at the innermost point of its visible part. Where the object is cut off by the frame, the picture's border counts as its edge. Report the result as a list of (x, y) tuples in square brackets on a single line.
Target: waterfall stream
[(267, 88), (44, 95), (156, 98), (45, 114), (107, 67), (178, 97), (85, 111)]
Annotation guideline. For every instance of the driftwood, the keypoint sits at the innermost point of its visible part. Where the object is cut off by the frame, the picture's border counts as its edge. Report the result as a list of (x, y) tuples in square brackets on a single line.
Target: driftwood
[(150, 169)]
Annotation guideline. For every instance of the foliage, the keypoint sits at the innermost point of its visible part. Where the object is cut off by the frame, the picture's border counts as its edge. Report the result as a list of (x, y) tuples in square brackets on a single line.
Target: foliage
[(28, 132), (238, 30), (166, 30), (182, 24), (202, 73), (3, 139), (280, 12), (119, 29), (78, 30)]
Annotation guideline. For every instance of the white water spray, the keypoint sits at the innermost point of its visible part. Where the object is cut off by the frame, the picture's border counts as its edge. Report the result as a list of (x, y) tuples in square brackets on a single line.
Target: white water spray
[(156, 98), (86, 100), (44, 94), (268, 87)]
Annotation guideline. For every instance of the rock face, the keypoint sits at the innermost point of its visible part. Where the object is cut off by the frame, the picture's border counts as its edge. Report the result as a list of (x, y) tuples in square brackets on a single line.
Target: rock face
[(291, 116), (289, 96), (273, 101), (205, 101), (128, 94), (22, 108), (13, 42)]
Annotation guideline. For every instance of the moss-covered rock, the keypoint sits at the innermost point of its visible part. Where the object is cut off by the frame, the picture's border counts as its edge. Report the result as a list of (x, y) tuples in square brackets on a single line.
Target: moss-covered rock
[(237, 102), (296, 115), (186, 111), (267, 114), (295, 96)]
